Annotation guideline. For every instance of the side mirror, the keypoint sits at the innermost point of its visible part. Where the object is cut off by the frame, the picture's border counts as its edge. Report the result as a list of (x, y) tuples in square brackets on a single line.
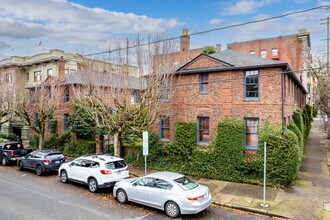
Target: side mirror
[(134, 184)]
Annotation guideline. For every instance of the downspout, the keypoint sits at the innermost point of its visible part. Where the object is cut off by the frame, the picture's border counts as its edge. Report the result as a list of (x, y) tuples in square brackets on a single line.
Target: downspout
[(282, 79)]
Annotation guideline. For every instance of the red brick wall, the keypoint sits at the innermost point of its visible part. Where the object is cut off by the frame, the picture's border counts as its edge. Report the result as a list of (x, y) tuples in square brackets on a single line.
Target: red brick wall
[(289, 49), (225, 98)]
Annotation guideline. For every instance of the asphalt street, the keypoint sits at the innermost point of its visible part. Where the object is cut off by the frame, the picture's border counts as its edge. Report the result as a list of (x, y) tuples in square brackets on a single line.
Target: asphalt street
[(24, 195)]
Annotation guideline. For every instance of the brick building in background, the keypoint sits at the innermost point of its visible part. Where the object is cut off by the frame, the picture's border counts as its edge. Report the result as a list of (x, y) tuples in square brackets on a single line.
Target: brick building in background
[(294, 49)]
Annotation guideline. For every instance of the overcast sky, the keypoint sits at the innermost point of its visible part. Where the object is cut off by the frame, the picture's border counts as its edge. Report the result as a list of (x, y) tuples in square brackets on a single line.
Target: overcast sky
[(83, 26)]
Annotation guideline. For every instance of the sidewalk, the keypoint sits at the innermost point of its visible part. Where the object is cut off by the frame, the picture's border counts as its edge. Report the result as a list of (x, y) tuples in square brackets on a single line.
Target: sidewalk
[(307, 198)]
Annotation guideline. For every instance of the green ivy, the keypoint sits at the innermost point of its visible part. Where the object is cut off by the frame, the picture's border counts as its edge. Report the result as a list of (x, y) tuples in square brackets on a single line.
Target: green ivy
[(79, 147)]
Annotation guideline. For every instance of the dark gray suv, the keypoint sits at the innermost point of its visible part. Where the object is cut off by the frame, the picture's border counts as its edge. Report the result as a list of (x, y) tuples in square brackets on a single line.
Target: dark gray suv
[(42, 161)]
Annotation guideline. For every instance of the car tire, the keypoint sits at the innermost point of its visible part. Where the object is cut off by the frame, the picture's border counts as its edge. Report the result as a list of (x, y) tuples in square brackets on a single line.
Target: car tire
[(121, 196), (39, 170), (172, 209), (92, 185), (64, 176), (4, 161), (21, 166)]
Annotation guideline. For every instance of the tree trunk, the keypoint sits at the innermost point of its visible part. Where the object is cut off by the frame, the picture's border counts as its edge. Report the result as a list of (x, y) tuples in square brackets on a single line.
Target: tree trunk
[(42, 138), (116, 143), (41, 142), (99, 147)]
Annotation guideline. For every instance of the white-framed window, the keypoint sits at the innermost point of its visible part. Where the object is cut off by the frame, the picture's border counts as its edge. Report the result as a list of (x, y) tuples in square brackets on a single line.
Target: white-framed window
[(37, 76), (9, 78), (274, 52), (49, 72), (66, 71), (72, 71), (251, 84), (252, 52), (135, 98), (263, 53), (203, 130), (251, 133)]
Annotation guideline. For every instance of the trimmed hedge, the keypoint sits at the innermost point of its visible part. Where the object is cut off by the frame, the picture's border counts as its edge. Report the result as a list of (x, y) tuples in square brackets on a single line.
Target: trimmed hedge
[(57, 142), (224, 159), (79, 148)]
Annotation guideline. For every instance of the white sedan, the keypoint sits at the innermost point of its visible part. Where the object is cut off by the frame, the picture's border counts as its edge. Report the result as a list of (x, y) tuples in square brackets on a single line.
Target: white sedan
[(172, 192)]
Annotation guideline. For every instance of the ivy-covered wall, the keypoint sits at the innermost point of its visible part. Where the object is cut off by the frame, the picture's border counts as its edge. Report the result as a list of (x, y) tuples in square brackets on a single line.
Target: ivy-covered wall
[(224, 159)]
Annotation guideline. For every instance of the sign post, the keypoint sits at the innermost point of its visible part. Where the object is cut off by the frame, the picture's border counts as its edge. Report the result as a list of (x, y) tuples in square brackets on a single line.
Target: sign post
[(145, 149), (264, 204)]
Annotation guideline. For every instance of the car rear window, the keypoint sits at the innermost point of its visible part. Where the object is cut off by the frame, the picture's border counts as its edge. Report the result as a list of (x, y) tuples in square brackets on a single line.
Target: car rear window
[(55, 155), (186, 183), (115, 165)]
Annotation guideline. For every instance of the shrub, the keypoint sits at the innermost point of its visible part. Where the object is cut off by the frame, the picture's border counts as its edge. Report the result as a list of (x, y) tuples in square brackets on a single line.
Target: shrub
[(282, 155), (57, 142), (79, 147), (229, 148), (4, 136), (224, 159), (299, 121), (309, 110), (11, 136), (293, 127)]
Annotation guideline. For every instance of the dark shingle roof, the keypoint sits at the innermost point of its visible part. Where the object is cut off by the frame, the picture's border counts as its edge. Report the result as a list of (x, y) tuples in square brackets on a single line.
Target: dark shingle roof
[(238, 59)]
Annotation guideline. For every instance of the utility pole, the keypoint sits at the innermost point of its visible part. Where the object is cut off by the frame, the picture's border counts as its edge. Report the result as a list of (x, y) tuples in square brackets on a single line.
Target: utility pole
[(326, 21)]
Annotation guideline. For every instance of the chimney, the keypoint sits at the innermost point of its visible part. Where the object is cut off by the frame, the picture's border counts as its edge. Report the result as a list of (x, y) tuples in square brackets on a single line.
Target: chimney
[(61, 69), (218, 47), (184, 47)]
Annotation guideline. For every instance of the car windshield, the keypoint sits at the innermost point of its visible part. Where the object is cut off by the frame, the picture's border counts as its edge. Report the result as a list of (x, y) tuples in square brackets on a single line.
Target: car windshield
[(186, 183), (115, 165)]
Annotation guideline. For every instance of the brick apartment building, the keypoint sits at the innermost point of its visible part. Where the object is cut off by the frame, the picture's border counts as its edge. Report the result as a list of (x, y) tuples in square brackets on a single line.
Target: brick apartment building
[(294, 49), (29, 72), (235, 85)]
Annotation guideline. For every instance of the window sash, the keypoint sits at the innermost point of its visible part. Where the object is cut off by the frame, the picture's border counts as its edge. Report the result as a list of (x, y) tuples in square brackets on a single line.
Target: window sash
[(251, 81), (203, 129), (251, 133), (203, 82), (164, 127)]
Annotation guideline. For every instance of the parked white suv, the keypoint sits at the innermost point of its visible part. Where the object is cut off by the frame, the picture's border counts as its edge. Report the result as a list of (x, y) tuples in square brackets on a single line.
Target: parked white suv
[(96, 171)]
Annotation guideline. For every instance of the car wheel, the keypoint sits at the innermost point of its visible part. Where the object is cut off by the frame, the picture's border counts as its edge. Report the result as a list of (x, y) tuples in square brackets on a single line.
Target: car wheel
[(21, 166), (39, 170), (172, 209), (64, 176), (121, 196), (4, 161), (92, 185)]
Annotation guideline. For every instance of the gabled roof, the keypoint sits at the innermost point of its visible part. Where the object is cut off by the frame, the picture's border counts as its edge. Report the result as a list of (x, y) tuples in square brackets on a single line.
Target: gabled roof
[(239, 59), (230, 59)]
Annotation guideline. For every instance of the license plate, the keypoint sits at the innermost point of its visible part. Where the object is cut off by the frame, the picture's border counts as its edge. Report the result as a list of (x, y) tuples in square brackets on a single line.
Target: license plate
[(57, 161)]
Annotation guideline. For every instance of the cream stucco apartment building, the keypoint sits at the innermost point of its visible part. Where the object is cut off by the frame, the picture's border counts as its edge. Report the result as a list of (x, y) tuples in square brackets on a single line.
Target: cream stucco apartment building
[(26, 72)]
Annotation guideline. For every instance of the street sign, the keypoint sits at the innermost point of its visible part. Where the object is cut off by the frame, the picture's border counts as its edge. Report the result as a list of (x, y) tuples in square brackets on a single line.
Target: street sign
[(145, 143), (145, 149)]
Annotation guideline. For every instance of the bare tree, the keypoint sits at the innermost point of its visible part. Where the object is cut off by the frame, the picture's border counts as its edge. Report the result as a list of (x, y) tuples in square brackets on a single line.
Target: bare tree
[(135, 89), (36, 106), (7, 97)]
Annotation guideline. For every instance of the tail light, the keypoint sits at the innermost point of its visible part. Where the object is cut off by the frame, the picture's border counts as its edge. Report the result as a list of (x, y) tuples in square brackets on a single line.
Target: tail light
[(46, 162), (194, 198), (106, 172), (11, 153)]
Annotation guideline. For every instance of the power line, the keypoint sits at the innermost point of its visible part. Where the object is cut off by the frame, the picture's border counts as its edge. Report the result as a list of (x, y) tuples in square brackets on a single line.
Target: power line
[(215, 29)]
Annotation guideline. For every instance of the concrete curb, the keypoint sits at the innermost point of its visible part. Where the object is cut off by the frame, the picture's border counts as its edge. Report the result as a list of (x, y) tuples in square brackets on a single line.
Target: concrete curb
[(249, 209)]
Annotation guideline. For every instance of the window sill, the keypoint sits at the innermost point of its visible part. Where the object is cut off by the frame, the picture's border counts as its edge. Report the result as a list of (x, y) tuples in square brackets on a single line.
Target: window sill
[(203, 143), (251, 99), (203, 92), (251, 147), (165, 139)]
